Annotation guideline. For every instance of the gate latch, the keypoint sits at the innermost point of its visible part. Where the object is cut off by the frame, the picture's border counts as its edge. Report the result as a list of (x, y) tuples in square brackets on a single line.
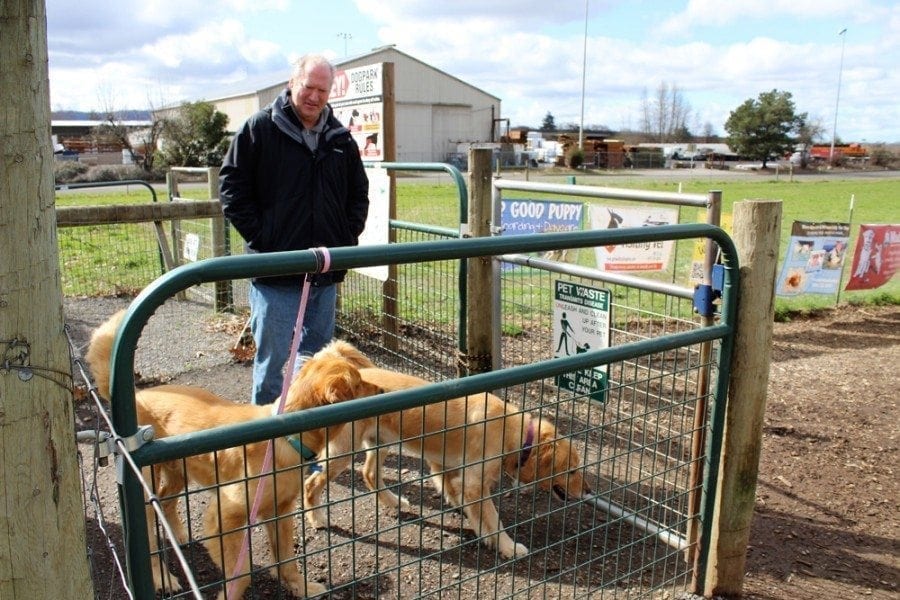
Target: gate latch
[(705, 296)]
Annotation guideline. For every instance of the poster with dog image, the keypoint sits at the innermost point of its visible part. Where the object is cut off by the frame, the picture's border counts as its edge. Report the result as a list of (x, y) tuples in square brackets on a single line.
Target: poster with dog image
[(637, 256), (358, 103), (814, 259), (876, 257)]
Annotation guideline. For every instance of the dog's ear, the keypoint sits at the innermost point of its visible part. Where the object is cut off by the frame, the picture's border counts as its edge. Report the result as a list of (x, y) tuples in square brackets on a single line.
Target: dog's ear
[(547, 457), (340, 383)]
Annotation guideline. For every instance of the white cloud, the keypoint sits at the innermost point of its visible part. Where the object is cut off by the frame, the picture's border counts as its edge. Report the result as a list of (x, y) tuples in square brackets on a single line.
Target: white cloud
[(212, 45), (510, 14), (715, 13), (527, 52)]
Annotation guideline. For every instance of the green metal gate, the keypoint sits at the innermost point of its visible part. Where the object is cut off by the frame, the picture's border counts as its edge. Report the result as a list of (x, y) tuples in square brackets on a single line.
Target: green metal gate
[(631, 539)]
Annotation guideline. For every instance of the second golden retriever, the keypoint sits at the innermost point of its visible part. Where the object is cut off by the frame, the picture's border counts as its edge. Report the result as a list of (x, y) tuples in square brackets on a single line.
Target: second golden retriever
[(467, 442), (178, 409)]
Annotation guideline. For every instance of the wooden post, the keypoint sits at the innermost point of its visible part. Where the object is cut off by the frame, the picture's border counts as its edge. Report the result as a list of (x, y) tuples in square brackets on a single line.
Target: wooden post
[(390, 290), (757, 232), (42, 529), (479, 298), (224, 297)]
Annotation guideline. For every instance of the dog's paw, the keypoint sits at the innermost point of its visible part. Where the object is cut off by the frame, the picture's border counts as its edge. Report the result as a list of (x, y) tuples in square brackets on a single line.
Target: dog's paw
[(317, 518), (310, 590), (171, 584), (394, 502), (514, 550), (295, 582)]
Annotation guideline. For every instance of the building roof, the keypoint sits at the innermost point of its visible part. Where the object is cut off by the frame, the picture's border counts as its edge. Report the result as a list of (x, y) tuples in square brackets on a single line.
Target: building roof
[(263, 82), (57, 123)]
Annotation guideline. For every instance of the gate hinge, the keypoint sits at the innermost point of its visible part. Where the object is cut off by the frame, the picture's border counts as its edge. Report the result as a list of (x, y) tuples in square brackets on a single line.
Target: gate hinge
[(105, 445)]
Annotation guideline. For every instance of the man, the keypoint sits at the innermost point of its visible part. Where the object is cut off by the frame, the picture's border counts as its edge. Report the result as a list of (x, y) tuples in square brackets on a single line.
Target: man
[(293, 179)]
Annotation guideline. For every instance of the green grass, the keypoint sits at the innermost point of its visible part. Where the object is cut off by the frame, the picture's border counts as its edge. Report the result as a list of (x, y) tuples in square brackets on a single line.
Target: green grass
[(875, 201), (436, 203)]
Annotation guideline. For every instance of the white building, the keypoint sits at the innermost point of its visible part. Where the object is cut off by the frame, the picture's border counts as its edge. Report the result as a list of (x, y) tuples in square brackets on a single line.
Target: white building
[(434, 112)]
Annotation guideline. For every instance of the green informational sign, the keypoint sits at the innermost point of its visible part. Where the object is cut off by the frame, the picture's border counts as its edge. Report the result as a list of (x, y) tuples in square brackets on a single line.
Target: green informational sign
[(581, 319)]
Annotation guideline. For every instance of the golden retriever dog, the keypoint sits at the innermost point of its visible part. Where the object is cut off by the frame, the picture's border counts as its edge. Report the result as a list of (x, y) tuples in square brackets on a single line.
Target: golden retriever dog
[(178, 409), (467, 443)]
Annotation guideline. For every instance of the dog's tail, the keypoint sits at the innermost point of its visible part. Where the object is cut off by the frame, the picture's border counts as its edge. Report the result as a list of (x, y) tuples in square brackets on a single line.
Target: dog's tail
[(100, 350)]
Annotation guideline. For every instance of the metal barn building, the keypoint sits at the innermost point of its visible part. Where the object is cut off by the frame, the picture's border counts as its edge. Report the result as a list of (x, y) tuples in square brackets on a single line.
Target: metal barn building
[(434, 112)]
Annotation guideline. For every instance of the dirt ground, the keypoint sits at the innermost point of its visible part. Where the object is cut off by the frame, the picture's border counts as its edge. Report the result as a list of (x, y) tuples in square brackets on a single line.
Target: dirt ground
[(826, 523)]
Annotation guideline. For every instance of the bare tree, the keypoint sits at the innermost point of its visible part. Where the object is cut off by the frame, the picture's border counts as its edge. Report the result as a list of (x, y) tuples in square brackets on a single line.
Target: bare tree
[(809, 131), (141, 144), (42, 540), (664, 118)]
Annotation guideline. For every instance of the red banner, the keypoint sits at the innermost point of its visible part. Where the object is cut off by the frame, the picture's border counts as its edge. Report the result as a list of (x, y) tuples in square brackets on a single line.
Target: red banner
[(876, 258)]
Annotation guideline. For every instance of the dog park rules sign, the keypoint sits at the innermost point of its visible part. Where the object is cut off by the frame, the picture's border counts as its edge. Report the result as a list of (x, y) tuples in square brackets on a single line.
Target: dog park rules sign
[(581, 320), (358, 103)]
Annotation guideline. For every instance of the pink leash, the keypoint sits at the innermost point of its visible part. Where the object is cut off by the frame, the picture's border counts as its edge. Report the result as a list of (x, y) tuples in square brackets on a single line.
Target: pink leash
[(323, 263)]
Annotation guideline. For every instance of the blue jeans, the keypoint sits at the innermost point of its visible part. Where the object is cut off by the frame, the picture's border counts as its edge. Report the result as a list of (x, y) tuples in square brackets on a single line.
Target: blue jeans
[(273, 314)]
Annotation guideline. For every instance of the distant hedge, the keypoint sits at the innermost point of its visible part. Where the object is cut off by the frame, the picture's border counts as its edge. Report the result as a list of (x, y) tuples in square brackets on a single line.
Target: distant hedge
[(70, 171)]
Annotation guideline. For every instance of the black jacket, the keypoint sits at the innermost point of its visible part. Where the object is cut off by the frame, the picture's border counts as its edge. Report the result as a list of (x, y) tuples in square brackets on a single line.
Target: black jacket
[(280, 195)]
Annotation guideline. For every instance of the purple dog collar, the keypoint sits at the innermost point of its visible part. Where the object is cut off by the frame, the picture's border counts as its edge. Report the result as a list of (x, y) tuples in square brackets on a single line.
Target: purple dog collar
[(526, 447)]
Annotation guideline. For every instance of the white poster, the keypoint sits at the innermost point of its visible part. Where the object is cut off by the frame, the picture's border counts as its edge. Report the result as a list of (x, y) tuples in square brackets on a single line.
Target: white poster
[(377, 224), (639, 256)]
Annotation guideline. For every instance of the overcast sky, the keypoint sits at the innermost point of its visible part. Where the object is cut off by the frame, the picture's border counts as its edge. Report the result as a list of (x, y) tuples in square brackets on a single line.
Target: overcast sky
[(529, 53)]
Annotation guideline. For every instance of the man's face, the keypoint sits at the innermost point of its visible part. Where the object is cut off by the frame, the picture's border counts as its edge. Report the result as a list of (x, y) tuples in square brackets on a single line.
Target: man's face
[(310, 95)]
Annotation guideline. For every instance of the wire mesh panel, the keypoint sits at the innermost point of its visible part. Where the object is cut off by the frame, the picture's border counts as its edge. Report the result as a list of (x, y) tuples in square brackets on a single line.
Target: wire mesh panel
[(594, 497), (104, 260), (630, 451), (645, 432), (413, 317)]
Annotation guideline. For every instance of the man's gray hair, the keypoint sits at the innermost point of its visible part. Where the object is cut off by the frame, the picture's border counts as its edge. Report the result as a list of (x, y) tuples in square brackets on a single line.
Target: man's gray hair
[(307, 63)]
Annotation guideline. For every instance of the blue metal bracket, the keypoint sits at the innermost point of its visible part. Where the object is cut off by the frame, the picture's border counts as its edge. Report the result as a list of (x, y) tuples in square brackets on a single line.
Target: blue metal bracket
[(705, 296), (718, 279)]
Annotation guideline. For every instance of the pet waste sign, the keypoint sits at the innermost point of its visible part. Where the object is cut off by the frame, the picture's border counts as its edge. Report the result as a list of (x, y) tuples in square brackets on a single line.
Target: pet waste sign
[(581, 320)]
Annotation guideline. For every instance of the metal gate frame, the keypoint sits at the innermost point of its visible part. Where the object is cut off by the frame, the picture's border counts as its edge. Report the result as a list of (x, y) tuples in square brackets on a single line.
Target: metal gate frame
[(217, 269), (712, 203)]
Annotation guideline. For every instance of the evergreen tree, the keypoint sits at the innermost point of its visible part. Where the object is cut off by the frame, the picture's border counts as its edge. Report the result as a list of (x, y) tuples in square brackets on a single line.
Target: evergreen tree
[(196, 136), (549, 123), (760, 129)]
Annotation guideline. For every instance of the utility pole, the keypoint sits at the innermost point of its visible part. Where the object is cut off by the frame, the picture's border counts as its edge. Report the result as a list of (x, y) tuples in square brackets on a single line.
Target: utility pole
[(837, 99), (345, 36), (583, 79)]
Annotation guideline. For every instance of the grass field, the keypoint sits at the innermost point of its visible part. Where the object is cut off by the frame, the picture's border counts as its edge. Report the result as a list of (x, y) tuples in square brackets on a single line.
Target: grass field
[(874, 201), (434, 202)]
